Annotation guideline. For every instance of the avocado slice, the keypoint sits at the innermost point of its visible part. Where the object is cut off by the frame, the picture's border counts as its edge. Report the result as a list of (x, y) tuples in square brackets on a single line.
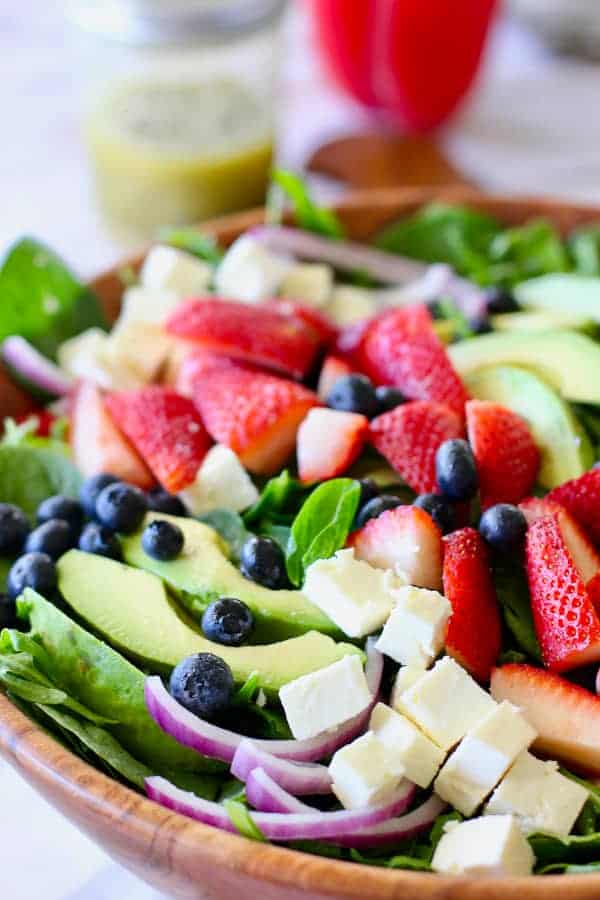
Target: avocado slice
[(540, 320), (568, 361), (202, 573), (132, 610), (564, 446), (569, 293)]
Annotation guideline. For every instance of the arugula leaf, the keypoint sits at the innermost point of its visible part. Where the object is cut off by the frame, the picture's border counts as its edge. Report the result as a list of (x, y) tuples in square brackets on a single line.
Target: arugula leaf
[(278, 493), (192, 241), (30, 474), (231, 528), (322, 525), (41, 299), (242, 820), (584, 247), (513, 595), (308, 215)]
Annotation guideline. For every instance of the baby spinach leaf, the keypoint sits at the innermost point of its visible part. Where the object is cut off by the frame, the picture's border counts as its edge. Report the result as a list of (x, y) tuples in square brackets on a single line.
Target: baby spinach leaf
[(535, 248), (30, 474), (308, 215), (513, 595), (206, 786), (279, 533), (437, 831), (192, 241), (584, 247), (569, 869), (30, 691), (576, 848), (242, 820), (232, 789), (278, 494), (231, 528)]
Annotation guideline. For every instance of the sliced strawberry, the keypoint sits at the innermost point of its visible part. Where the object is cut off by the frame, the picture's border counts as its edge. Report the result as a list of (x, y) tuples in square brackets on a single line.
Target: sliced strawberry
[(593, 589), (248, 333), (584, 554), (98, 445), (565, 716), (505, 452), (328, 443), (254, 413), (405, 539), (350, 340), (332, 369), (325, 331), (475, 630), (196, 365), (581, 497), (409, 436), (166, 430), (534, 508), (401, 348)]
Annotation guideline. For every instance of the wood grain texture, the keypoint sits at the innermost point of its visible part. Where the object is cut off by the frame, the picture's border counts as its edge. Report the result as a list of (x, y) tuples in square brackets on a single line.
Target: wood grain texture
[(190, 860)]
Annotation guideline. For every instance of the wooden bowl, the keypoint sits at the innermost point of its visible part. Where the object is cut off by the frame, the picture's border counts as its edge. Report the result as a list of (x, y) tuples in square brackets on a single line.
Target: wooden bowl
[(187, 859)]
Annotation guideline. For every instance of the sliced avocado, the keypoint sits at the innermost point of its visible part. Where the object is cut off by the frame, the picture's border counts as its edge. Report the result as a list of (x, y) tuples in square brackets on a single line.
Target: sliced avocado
[(565, 447), (202, 573), (576, 295), (540, 320), (568, 361), (132, 610)]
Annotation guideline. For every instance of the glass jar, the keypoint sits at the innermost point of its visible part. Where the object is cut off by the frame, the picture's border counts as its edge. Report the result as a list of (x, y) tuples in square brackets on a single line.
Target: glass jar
[(179, 106)]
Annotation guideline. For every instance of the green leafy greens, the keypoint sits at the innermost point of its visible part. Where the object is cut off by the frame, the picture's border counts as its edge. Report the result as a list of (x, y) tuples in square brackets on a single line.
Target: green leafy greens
[(308, 215), (199, 244)]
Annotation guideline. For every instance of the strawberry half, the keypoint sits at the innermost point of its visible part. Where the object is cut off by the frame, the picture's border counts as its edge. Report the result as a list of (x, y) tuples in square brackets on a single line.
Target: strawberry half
[(475, 630), (534, 508), (409, 436), (254, 413), (195, 366), (505, 452), (329, 441), (401, 348), (581, 497), (323, 328), (405, 539), (249, 333), (566, 716), (333, 368), (98, 445), (166, 430)]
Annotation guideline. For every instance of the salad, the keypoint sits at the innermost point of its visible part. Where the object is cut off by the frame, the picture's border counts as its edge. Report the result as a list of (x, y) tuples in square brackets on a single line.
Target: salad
[(304, 545)]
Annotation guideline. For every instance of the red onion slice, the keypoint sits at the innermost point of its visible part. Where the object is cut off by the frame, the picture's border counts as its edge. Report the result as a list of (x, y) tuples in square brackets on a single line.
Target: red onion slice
[(266, 795), (35, 368), (396, 829), (297, 778)]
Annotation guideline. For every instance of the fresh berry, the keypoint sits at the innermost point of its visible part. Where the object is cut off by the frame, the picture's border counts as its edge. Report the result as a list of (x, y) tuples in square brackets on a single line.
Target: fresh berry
[(368, 491), (375, 507), (262, 561), (194, 364), (14, 528), (389, 398), (54, 537), (162, 540), (251, 334), (166, 429), (100, 540), (227, 621), (581, 497), (90, 489), (534, 508), (121, 507), (500, 300), (474, 631), (456, 473), (333, 368), (401, 348), (97, 444), (33, 570), (503, 527), (584, 554), (202, 683), (354, 393), (405, 539), (61, 507), (409, 437), (323, 328), (565, 716), (505, 452), (329, 441), (440, 509), (254, 413), (163, 502), (8, 612)]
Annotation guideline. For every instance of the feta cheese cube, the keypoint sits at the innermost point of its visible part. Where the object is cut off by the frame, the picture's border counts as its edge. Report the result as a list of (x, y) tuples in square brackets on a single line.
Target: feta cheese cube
[(87, 356), (310, 283), (539, 796), (406, 676), (326, 698), (169, 269), (409, 751), (492, 846), (149, 305), (360, 774), (142, 348), (445, 703), (221, 483), (415, 632), (355, 595), (250, 272), (349, 305), (481, 759)]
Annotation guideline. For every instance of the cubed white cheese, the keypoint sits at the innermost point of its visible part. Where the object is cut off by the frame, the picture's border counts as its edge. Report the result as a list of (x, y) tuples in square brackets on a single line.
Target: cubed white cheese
[(406, 676), (483, 756), (221, 483), (168, 269), (415, 632), (142, 348), (309, 283), (360, 774), (409, 751), (539, 796), (355, 595), (493, 846), (87, 356), (445, 703), (326, 698), (250, 272), (149, 305), (349, 305)]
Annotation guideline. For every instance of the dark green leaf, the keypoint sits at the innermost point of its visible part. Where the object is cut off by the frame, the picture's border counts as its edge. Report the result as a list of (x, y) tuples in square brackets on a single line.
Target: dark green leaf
[(279, 533), (572, 849), (584, 246), (593, 789), (409, 862), (193, 241), (308, 215), (206, 786), (513, 594), (245, 694), (30, 691), (535, 248), (437, 831), (243, 822), (232, 789), (30, 474), (231, 528), (277, 495), (567, 869)]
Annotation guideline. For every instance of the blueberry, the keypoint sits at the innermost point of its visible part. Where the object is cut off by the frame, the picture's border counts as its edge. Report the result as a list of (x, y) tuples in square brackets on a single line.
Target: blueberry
[(162, 540), (441, 511), (100, 540), (64, 508), (14, 528), (500, 300), (8, 612), (389, 398), (227, 621), (503, 526), (121, 507), (163, 502), (455, 470), (368, 490), (90, 490), (54, 538), (203, 683), (262, 561), (34, 570), (480, 325), (375, 507), (354, 393)]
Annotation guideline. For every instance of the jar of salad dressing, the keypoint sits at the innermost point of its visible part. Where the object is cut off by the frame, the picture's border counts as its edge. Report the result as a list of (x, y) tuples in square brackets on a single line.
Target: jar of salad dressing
[(179, 106)]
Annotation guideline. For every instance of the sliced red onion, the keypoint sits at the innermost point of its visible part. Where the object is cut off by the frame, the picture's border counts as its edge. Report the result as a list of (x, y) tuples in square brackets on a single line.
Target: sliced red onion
[(396, 829), (439, 280), (598, 682), (35, 368), (266, 795), (297, 778)]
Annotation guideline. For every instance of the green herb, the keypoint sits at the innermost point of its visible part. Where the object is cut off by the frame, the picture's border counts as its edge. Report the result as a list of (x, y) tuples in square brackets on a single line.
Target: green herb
[(584, 247), (513, 595), (322, 525), (30, 474), (231, 528), (242, 820), (193, 241), (248, 690), (529, 250), (278, 494), (308, 215)]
